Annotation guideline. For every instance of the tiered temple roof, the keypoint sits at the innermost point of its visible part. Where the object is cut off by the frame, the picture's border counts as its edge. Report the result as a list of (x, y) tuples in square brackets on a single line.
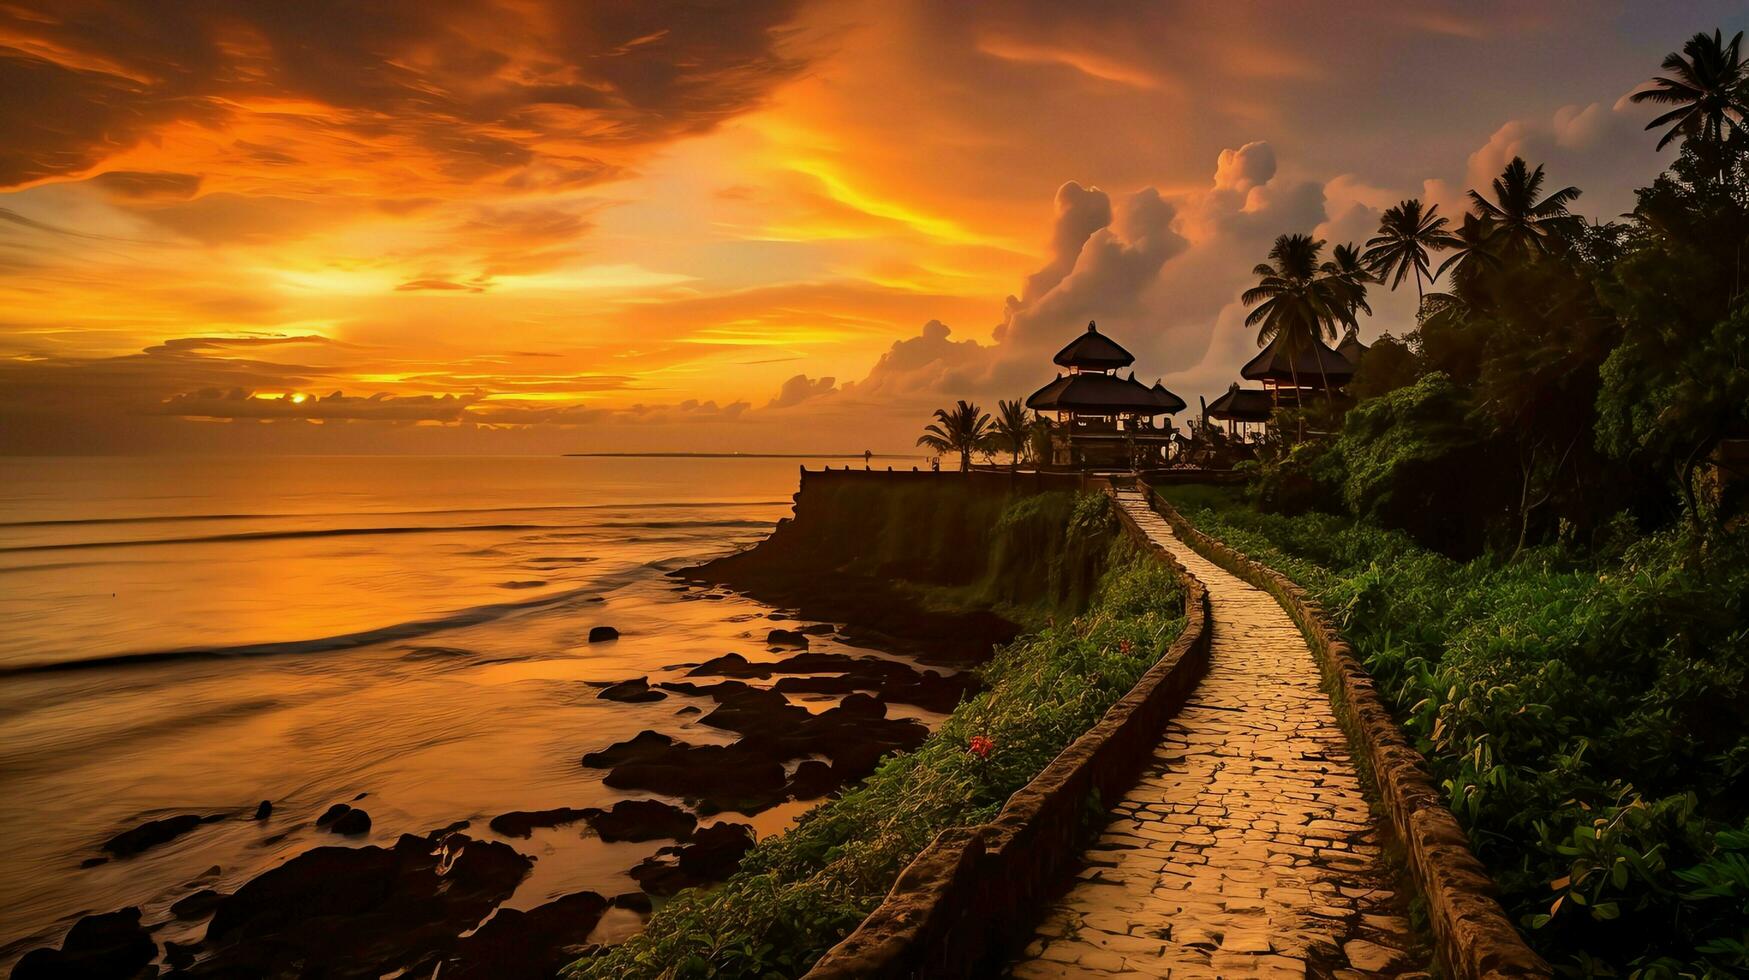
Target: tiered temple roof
[(1094, 351), (1104, 394), (1242, 405), (1312, 366)]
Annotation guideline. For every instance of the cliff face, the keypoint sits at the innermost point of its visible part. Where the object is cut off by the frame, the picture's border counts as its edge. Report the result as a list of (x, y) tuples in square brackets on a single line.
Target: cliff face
[(942, 564)]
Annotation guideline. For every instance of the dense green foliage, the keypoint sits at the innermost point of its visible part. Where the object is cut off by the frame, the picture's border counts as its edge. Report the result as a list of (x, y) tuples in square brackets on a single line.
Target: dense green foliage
[(960, 545), (799, 893), (1587, 721)]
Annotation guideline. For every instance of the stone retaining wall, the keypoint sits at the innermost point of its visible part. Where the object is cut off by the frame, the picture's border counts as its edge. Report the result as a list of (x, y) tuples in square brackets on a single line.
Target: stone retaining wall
[(1472, 934), (971, 897)]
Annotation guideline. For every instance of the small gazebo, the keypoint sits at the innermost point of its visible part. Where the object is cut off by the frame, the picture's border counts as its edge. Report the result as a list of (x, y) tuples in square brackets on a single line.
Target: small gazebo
[(1103, 419), (1287, 370), (1242, 408)]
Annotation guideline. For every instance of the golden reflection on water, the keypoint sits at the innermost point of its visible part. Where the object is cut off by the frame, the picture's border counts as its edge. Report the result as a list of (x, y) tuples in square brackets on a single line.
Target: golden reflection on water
[(398, 664)]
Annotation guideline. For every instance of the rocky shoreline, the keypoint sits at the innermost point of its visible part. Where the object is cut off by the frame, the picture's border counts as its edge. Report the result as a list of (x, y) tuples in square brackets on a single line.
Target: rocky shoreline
[(431, 903)]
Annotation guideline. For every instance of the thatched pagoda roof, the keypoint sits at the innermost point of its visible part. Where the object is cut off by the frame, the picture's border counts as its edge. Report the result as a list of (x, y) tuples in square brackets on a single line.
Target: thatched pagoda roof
[(1103, 394), (1094, 351), (1242, 405), (1313, 365), (1351, 349)]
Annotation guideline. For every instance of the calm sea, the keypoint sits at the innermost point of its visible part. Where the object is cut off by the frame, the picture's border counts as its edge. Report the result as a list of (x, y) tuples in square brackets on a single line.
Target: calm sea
[(197, 635)]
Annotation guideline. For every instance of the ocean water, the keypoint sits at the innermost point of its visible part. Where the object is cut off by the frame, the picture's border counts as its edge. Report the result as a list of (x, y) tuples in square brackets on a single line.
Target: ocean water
[(197, 635)]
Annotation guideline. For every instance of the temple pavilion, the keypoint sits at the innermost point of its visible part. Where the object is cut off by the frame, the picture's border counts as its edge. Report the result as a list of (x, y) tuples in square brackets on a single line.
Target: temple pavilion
[(1288, 371), (1103, 420)]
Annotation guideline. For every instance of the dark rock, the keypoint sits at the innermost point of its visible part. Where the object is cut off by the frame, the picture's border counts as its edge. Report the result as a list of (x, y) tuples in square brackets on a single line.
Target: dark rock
[(691, 709), (351, 823), (635, 691), (641, 820), (437, 836), (601, 634), (264, 810), (520, 823), (812, 780), (360, 911), (638, 902), (93, 862), (786, 638), (895, 682), (152, 833), (344, 819), (198, 905), (817, 629), (713, 854), (726, 777), (532, 945), (179, 956), (112, 944)]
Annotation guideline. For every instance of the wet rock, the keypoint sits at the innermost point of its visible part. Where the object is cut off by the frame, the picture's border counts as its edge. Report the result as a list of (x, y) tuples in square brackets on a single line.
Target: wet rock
[(264, 809), (360, 911), (179, 956), (344, 819), (198, 905), (786, 638), (437, 836), (601, 634), (520, 823), (641, 820), (532, 945), (638, 902), (152, 833), (812, 780), (723, 777), (112, 944), (895, 682), (713, 854), (635, 691)]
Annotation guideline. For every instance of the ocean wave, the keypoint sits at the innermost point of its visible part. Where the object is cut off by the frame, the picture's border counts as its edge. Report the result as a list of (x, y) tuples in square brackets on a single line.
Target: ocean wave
[(180, 518), (412, 629)]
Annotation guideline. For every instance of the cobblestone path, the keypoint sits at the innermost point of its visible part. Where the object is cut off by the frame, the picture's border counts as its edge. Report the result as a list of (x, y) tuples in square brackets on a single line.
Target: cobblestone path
[(1247, 848)]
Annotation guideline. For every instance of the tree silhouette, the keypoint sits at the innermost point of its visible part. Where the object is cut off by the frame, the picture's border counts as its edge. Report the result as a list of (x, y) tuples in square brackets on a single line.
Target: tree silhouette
[(1299, 301), (1709, 88), (1407, 233), (962, 429), (1013, 429), (1523, 219)]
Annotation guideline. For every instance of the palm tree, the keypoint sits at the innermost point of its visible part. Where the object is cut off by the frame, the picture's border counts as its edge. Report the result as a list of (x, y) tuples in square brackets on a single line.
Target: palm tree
[(1300, 300), (1406, 234), (1522, 217), (961, 429), (1013, 429), (1709, 88)]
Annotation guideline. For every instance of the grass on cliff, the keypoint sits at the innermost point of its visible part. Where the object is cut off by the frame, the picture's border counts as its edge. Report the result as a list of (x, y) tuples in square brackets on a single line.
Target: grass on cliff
[(1586, 719), (799, 893)]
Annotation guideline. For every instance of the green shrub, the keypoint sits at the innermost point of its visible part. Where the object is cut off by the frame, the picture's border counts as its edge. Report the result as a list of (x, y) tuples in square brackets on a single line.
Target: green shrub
[(1589, 726), (799, 893)]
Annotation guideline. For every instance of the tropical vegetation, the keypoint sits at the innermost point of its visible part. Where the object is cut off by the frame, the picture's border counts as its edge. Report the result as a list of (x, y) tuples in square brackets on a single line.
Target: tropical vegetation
[(1528, 515), (799, 893)]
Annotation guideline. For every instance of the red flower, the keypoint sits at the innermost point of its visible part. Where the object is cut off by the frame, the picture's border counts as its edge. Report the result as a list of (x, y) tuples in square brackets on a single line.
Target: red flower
[(1124, 647), (981, 746)]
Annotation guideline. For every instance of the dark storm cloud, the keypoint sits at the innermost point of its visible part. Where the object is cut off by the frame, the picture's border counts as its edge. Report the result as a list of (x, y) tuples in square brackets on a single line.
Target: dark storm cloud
[(482, 86)]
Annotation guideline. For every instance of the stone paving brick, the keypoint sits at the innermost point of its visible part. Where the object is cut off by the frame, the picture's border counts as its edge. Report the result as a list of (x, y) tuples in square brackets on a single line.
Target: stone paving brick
[(1247, 849)]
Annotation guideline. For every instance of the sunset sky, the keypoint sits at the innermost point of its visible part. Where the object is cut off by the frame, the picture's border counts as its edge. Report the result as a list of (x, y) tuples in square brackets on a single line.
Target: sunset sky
[(533, 226)]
